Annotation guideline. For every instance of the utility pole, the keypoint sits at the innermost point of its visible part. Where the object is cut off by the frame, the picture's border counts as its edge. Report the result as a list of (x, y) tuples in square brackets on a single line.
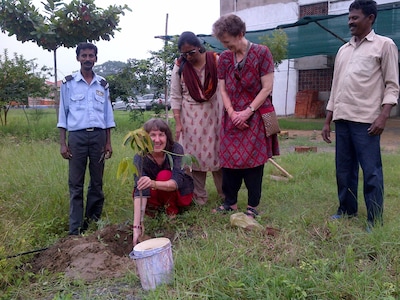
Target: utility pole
[(165, 70)]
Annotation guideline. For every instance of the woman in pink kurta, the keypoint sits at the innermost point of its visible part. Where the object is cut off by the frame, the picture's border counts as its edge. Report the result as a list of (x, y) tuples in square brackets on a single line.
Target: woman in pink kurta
[(197, 109), (245, 73)]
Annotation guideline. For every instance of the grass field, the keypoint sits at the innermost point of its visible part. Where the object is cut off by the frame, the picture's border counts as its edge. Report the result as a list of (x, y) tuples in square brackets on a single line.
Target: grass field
[(310, 258)]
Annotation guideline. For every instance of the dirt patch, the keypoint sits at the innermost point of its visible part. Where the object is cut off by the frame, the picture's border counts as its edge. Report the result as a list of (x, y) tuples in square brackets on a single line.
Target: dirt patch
[(390, 139), (100, 255), (103, 254)]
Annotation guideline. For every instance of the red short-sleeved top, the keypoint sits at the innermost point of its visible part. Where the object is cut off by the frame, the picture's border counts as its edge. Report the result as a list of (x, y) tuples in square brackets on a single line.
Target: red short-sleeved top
[(250, 147)]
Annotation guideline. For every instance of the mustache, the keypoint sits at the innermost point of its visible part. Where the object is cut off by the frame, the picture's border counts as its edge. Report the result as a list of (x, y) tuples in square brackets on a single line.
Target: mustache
[(87, 63)]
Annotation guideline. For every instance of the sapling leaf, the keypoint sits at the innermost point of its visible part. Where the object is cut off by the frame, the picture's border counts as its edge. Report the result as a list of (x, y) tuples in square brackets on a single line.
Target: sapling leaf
[(121, 168), (149, 142), (139, 143), (186, 162), (127, 138), (171, 162), (125, 168), (189, 160)]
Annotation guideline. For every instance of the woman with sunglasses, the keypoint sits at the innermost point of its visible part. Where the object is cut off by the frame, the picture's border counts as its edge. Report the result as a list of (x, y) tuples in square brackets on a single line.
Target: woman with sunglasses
[(246, 75), (197, 108)]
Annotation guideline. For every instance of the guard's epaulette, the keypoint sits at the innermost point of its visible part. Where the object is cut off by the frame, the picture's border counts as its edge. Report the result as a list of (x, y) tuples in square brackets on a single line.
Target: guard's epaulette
[(104, 84), (67, 78)]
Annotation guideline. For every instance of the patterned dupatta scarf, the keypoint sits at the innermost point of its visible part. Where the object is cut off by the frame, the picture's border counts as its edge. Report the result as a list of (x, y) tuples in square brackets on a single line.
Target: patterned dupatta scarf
[(197, 91)]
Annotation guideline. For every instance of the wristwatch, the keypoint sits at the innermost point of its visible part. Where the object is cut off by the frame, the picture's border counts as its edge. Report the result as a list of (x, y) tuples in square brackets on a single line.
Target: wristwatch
[(252, 109)]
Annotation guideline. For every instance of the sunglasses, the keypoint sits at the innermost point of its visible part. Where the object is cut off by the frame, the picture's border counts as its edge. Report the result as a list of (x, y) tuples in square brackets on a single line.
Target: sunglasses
[(238, 68), (236, 74), (191, 52)]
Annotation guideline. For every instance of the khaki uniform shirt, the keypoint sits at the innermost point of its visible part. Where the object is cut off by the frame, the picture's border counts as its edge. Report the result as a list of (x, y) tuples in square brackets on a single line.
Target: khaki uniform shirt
[(365, 77)]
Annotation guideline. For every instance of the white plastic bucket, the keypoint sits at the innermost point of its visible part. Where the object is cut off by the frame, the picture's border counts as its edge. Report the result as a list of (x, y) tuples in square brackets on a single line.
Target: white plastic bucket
[(154, 262)]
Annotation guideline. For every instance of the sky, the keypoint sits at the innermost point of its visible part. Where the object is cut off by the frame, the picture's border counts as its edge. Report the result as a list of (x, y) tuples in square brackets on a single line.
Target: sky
[(147, 19)]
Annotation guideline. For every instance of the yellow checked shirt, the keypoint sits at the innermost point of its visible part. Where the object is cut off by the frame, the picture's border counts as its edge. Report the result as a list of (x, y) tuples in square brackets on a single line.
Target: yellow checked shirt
[(365, 77)]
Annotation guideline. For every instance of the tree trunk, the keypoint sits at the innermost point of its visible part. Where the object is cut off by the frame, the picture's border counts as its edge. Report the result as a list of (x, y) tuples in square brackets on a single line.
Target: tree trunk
[(165, 72), (56, 93)]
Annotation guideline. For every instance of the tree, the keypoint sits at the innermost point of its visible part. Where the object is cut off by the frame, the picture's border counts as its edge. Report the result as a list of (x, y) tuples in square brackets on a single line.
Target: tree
[(140, 75), (19, 81), (109, 68), (162, 63), (277, 44), (131, 80), (63, 25)]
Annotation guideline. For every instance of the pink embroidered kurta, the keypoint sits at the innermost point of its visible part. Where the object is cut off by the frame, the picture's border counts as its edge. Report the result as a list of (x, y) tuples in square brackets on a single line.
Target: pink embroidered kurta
[(201, 122)]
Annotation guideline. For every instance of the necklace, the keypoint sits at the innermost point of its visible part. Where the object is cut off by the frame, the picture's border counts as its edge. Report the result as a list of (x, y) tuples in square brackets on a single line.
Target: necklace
[(239, 65)]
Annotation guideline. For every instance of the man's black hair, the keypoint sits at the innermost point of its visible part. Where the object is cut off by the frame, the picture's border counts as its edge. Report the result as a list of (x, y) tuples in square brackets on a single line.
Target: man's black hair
[(83, 46), (368, 7)]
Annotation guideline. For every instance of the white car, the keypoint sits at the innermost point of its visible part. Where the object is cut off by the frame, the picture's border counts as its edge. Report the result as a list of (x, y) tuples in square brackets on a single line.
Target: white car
[(122, 105), (150, 100), (147, 101), (139, 103)]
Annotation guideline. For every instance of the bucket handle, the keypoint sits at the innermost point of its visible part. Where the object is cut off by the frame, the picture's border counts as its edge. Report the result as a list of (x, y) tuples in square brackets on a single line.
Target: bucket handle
[(132, 255)]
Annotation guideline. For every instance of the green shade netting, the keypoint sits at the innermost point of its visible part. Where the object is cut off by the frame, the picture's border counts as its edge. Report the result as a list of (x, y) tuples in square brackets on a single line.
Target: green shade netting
[(316, 35)]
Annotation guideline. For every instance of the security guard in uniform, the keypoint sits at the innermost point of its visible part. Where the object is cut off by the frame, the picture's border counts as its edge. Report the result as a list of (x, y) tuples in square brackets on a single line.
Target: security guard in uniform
[(86, 114)]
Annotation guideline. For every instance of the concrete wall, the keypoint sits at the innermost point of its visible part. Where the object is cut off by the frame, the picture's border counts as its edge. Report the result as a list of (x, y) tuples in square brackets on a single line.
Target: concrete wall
[(285, 88)]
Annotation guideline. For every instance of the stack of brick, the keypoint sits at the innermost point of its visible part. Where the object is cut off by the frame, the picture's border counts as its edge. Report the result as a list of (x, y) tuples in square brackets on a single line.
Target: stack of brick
[(308, 105)]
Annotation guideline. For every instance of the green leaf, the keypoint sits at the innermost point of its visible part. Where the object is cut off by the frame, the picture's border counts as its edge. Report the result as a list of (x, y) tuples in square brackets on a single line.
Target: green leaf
[(171, 162), (126, 168)]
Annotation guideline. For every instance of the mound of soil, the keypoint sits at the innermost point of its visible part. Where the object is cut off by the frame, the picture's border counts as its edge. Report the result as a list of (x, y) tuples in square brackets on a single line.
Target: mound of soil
[(103, 254)]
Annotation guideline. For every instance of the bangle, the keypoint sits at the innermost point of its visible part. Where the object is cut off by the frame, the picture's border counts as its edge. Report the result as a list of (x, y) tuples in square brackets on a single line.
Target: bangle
[(177, 115), (137, 226), (229, 108), (154, 185)]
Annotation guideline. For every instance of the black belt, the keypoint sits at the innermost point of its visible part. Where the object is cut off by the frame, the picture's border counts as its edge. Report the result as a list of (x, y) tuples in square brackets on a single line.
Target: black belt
[(92, 129)]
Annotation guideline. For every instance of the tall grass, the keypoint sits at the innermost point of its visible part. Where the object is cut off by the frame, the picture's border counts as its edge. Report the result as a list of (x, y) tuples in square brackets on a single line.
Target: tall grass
[(310, 257)]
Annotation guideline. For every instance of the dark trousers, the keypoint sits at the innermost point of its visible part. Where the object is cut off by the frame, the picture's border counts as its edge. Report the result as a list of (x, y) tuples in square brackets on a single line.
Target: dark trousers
[(232, 181), (85, 146), (354, 148)]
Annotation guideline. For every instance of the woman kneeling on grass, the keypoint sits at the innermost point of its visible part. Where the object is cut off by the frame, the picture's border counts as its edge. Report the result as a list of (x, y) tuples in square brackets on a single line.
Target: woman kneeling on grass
[(162, 185)]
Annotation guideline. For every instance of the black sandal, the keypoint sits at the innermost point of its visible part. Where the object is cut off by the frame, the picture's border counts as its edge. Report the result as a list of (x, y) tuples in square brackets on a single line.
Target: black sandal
[(224, 208), (251, 212)]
